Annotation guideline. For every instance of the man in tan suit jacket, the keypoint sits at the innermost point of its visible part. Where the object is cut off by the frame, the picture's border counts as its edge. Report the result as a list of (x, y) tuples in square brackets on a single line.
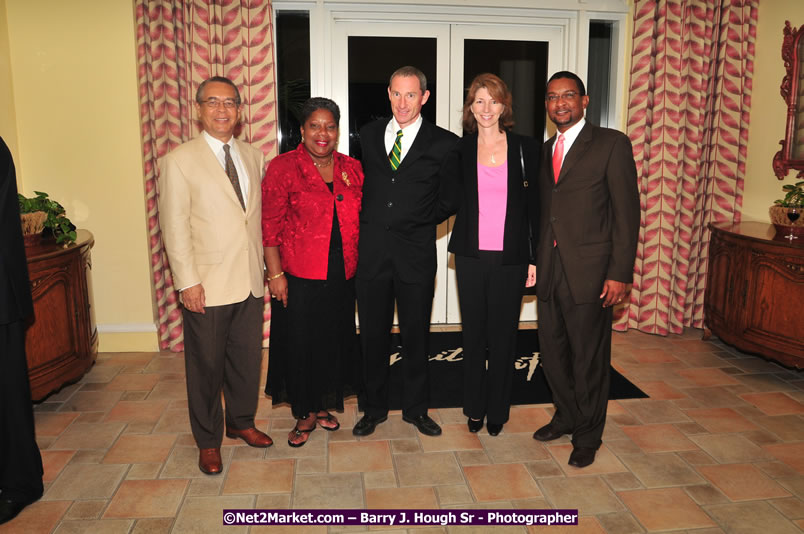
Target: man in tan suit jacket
[(210, 213)]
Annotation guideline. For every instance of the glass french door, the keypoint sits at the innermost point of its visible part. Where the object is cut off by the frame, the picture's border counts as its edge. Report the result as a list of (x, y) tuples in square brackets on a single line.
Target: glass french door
[(450, 55)]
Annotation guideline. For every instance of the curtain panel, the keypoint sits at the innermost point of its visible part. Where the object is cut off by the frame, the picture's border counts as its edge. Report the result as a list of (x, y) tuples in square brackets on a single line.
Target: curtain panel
[(688, 115), (180, 43)]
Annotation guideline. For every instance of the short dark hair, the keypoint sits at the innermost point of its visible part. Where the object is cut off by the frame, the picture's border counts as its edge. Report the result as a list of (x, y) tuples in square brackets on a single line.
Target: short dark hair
[(220, 79), (319, 102), (572, 76), (498, 91), (410, 71)]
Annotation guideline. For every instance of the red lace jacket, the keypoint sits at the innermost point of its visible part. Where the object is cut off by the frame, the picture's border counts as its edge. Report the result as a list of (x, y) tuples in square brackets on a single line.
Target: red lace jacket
[(297, 212)]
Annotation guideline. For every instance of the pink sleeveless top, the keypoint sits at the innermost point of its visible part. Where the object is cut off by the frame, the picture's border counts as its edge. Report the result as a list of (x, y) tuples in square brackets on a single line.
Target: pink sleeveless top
[(492, 196)]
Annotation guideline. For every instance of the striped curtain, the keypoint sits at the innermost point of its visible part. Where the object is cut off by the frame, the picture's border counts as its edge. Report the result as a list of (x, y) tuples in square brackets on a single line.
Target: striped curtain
[(180, 43), (689, 102)]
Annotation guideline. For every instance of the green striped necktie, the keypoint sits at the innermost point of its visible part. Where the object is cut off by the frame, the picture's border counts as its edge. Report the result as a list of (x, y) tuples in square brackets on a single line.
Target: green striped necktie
[(396, 151)]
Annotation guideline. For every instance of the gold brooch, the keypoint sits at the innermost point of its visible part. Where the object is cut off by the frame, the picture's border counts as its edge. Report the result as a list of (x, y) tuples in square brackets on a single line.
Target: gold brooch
[(345, 178)]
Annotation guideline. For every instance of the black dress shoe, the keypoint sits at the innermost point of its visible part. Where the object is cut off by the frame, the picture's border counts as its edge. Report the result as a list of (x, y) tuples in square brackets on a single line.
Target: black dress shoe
[(582, 456), (494, 428), (9, 509), (367, 424), (474, 424), (424, 424), (548, 433)]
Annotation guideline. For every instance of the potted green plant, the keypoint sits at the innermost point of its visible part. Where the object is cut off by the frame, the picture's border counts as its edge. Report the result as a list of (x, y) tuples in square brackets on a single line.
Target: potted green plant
[(40, 214)]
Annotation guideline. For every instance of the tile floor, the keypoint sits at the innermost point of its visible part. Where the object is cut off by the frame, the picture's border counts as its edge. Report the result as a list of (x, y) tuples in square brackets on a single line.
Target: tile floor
[(718, 447)]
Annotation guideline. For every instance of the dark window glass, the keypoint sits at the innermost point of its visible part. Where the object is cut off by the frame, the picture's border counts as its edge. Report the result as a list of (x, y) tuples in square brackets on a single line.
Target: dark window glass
[(372, 60), (598, 83), (293, 74), (522, 65)]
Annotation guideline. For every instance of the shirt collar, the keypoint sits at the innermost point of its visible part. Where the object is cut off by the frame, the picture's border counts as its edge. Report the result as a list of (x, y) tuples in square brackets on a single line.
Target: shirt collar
[(410, 130), (572, 133), (216, 144)]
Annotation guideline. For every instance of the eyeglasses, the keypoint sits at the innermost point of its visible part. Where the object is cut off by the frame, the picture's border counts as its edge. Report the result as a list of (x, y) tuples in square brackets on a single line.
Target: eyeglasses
[(569, 95), (214, 103)]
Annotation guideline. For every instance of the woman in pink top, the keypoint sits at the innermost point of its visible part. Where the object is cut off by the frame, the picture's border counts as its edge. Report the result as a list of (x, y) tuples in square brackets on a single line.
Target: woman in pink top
[(490, 240)]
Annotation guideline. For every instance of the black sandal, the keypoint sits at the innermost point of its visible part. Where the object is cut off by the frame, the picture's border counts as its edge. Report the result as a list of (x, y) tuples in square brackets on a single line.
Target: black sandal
[(299, 432), (329, 418)]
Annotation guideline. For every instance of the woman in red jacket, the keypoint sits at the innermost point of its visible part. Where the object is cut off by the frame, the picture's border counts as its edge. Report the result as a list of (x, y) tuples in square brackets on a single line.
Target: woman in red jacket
[(310, 207)]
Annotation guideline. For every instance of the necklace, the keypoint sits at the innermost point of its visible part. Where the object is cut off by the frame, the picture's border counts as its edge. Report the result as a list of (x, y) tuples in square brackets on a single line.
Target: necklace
[(322, 165), (491, 146)]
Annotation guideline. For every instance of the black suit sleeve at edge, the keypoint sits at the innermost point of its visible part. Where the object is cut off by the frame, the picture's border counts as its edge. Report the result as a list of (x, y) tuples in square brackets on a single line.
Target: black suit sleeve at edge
[(448, 187), (531, 150)]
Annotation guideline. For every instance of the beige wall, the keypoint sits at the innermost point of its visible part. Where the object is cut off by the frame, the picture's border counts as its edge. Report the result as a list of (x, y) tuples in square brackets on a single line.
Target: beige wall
[(767, 109), (73, 66), (8, 121)]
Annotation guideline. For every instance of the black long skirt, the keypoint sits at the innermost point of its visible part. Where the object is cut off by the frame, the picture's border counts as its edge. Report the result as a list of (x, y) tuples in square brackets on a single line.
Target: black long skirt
[(312, 358)]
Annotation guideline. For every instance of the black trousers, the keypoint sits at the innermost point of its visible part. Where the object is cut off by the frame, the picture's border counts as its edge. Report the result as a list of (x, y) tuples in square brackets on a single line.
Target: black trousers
[(490, 298), (375, 309), (222, 351), (20, 462), (575, 344)]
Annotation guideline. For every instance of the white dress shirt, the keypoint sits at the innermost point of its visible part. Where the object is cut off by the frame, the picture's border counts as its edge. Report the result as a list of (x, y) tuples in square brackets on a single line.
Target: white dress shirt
[(409, 134), (569, 137), (217, 148)]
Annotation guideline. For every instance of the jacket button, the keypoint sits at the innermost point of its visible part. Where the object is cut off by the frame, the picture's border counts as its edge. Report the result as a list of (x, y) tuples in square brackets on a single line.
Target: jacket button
[(552, 219), (339, 197), (387, 227), (390, 204), (555, 190), (393, 180)]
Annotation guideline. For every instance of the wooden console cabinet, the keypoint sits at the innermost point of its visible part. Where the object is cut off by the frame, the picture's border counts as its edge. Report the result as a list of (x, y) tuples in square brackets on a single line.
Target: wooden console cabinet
[(61, 342), (754, 296)]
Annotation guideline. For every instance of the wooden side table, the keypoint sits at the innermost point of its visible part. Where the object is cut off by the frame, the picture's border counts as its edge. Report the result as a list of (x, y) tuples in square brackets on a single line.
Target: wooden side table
[(61, 341), (754, 296)]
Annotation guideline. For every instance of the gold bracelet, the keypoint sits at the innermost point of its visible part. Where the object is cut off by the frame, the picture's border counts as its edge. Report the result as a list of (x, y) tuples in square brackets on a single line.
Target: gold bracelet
[(274, 277)]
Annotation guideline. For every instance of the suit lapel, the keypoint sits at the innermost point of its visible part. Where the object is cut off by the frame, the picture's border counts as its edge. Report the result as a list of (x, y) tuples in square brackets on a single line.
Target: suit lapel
[(418, 147), (515, 178), (577, 150), (547, 159), (469, 156), (216, 173), (253, 171)]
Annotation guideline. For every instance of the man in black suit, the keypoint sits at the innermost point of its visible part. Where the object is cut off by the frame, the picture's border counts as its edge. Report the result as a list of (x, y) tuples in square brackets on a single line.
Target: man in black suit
[(20, 462), (589, 225), (407, 162)]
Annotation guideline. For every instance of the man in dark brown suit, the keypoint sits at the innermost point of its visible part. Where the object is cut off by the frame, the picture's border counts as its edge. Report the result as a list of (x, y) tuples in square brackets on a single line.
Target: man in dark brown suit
[(20, 461), (589, 226)]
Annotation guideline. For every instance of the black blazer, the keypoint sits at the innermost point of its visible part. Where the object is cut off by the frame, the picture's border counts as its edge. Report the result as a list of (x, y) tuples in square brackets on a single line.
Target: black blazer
[(402, 208), (15, 287), (592, 212), (521, 209)]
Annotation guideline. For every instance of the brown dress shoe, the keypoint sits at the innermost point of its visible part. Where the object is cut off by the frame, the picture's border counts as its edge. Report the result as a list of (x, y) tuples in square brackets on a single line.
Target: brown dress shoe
[(252, 436), (209, 461)]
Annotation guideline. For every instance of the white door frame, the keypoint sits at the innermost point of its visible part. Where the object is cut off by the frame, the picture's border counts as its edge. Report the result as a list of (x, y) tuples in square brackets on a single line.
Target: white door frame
[(563, 23)]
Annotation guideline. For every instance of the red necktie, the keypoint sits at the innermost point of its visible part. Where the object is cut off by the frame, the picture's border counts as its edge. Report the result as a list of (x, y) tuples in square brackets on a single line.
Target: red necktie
[(558, 156)]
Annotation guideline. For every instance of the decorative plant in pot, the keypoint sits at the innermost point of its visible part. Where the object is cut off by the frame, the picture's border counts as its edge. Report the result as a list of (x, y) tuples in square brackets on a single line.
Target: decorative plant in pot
[(41, 215)]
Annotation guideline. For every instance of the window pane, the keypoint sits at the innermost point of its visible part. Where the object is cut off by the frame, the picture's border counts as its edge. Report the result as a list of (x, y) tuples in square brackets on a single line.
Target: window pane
[(598, 83), (372, 60), (293, 74), (522, 65)]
